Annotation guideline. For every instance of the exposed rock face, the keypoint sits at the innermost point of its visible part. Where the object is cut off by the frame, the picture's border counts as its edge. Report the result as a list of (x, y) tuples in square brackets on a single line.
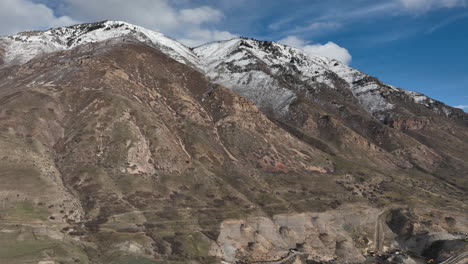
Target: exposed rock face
[(117, 148), (264, 239)]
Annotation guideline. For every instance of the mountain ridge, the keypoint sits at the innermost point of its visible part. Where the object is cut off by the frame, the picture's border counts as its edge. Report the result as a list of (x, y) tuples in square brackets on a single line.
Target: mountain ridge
[(37, 42)]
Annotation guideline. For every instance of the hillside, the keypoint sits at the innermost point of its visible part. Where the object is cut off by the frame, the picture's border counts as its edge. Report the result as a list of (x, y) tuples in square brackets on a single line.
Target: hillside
[(120, 145)]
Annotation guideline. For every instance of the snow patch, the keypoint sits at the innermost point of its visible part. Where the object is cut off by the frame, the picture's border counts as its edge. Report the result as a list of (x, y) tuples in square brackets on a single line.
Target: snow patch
[(23, 47)]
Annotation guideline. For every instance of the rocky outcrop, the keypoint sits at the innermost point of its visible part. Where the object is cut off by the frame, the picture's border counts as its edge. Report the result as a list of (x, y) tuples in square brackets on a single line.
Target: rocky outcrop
[(348, 234)]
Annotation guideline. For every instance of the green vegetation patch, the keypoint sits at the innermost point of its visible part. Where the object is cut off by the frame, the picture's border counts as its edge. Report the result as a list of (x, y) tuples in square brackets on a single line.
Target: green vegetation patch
[(24, 211), (13, 250)]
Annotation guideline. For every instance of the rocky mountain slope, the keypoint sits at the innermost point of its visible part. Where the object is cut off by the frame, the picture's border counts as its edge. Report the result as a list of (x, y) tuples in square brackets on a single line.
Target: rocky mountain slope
[(120, 145)]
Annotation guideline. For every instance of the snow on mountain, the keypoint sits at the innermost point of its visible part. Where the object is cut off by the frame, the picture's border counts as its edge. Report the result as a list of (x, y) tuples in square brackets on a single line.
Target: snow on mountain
[(22, 47), (240, 64), (229, 65), (258, 69), (255, 69)]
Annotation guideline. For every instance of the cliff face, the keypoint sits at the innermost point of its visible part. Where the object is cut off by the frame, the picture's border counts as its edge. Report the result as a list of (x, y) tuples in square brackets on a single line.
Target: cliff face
[(125, 150)]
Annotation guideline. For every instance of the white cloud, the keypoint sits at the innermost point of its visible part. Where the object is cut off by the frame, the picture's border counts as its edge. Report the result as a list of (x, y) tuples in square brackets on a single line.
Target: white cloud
[(425, 5), (314, 27), (201, 15), (366, 9), (461, 106), (329, 50), (447, 22), (317, 27), (23, 15), (293, 41), (193, 26)]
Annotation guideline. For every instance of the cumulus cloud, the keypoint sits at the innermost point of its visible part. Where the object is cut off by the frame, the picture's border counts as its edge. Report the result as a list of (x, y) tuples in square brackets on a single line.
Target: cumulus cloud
[(329, 50), (425, 5), (193, 26), (23, 15)]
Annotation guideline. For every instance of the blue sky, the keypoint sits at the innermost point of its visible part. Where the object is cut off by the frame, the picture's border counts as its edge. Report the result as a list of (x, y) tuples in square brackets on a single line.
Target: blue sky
[(419, 45)]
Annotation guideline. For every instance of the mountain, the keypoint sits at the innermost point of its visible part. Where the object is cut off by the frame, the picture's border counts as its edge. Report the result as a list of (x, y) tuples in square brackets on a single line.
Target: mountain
[(22, 47), (233, 63), (121, 145)]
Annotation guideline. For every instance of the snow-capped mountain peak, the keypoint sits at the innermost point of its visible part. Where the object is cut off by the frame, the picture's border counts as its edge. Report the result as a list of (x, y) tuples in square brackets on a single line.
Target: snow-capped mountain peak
[(22, 47)]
